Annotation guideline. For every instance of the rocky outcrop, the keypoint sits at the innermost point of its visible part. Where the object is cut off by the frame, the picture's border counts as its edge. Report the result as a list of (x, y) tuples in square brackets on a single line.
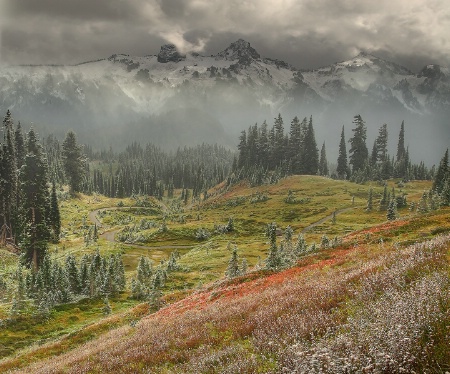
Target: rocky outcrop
[(241, 51), (169, 53)]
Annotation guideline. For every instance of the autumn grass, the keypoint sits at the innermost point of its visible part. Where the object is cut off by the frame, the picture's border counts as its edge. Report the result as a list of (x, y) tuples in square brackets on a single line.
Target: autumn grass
[(367, 235), (74, 324), (64, 322), (362, 307)]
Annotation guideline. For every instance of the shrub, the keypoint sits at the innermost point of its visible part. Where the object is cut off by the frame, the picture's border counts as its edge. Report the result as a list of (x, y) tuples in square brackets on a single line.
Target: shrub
[(202, 234)]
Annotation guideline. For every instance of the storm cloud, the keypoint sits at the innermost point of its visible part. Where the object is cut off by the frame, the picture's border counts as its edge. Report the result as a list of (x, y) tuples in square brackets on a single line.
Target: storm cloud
[(305, 33)]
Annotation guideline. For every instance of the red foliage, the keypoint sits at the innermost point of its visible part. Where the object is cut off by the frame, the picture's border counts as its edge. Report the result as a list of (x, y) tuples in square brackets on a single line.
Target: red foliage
[(385, 227), (233, 290)]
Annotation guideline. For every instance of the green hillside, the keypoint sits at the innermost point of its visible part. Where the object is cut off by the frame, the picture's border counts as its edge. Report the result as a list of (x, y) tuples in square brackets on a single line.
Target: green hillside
[(361, 295)]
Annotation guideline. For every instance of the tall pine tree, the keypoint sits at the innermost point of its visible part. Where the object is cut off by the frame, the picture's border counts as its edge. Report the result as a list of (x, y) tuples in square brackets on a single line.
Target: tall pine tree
[(295, 145), (54, 216), (323, 163), (358, 148), (310, 155), (402, 161), (401, 151), (34, 207), (8, 180), (342, 164), (278, 153), (73, 162), (442, 174), (243, 150), (381, 143)]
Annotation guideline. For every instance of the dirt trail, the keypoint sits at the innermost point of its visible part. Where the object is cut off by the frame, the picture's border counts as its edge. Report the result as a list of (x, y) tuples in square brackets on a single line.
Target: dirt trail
[(339, 211), (110, 235)]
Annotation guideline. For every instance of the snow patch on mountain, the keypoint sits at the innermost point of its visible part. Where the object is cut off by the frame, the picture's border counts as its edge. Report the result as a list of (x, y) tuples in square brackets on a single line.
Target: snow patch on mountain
[(149, 84)]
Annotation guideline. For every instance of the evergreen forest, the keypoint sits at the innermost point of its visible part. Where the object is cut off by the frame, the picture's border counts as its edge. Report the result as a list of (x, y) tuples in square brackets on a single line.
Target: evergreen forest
[(97, 242)]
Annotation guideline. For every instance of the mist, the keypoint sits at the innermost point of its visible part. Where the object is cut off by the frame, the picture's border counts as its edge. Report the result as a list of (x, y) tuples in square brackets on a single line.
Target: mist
[(195, 99)]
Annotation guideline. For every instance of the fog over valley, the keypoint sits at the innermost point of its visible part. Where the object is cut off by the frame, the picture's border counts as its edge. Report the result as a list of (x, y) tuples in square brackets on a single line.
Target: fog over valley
[(174, 99)]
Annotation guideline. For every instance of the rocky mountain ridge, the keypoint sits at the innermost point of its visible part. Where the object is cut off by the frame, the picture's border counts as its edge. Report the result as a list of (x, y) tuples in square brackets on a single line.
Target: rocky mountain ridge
[(235, 87)]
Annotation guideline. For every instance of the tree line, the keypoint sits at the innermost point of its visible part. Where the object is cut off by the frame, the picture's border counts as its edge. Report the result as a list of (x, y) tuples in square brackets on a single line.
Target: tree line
[(151, 171), (264, 151), (29, 171), (29, 215), (138, 170)]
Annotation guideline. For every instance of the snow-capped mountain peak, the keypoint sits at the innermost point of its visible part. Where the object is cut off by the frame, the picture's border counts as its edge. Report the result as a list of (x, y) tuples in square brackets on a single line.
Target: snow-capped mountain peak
[(169, 53), (236, 85), (240, 50)]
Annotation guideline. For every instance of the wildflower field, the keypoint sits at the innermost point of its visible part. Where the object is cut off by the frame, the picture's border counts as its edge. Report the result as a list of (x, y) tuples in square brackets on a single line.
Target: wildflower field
[(375, 300)]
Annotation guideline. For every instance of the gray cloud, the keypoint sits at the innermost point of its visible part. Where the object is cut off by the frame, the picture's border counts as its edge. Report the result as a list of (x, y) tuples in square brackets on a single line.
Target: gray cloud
[(305, 33), (85, 10)]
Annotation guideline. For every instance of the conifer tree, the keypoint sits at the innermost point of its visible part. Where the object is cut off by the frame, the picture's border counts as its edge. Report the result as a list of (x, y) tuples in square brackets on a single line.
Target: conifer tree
[(310, 155), (54, 216), (73, 162), (252, 145), (401, 151), (233, 265), (442, 174), (146, 279), (288, 234), (154, 297), (300, 246), (295, 145), (358, 149), (243, 150), (384, 199), (392, 210), (324, 242), (244, 266), (423, 206), (230, 225), (73, 275), (119, 274), (342, 165), (445, 194), (273, 260), (144, 271), (402, 161), (8, 176), (323, 163), (95, 233), (263, 146), (19, 145), (84, 275), (374, 154), (34, 205), (278, 150), (381, 143), (106, 306)]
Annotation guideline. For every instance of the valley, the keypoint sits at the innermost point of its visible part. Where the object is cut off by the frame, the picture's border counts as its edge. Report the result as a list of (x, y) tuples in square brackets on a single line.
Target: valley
[(186, 99), (213, 187), (197, 289)]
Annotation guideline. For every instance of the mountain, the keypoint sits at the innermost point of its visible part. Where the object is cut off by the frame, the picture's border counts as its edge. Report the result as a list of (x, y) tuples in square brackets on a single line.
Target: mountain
[(228, 92), (381, 80)]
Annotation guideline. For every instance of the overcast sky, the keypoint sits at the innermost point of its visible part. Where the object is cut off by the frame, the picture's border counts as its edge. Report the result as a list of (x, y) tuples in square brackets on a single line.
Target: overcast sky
[(305, 33)]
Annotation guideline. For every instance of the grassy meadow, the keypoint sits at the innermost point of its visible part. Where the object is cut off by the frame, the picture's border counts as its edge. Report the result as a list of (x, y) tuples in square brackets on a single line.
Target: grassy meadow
[(378, 301)]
